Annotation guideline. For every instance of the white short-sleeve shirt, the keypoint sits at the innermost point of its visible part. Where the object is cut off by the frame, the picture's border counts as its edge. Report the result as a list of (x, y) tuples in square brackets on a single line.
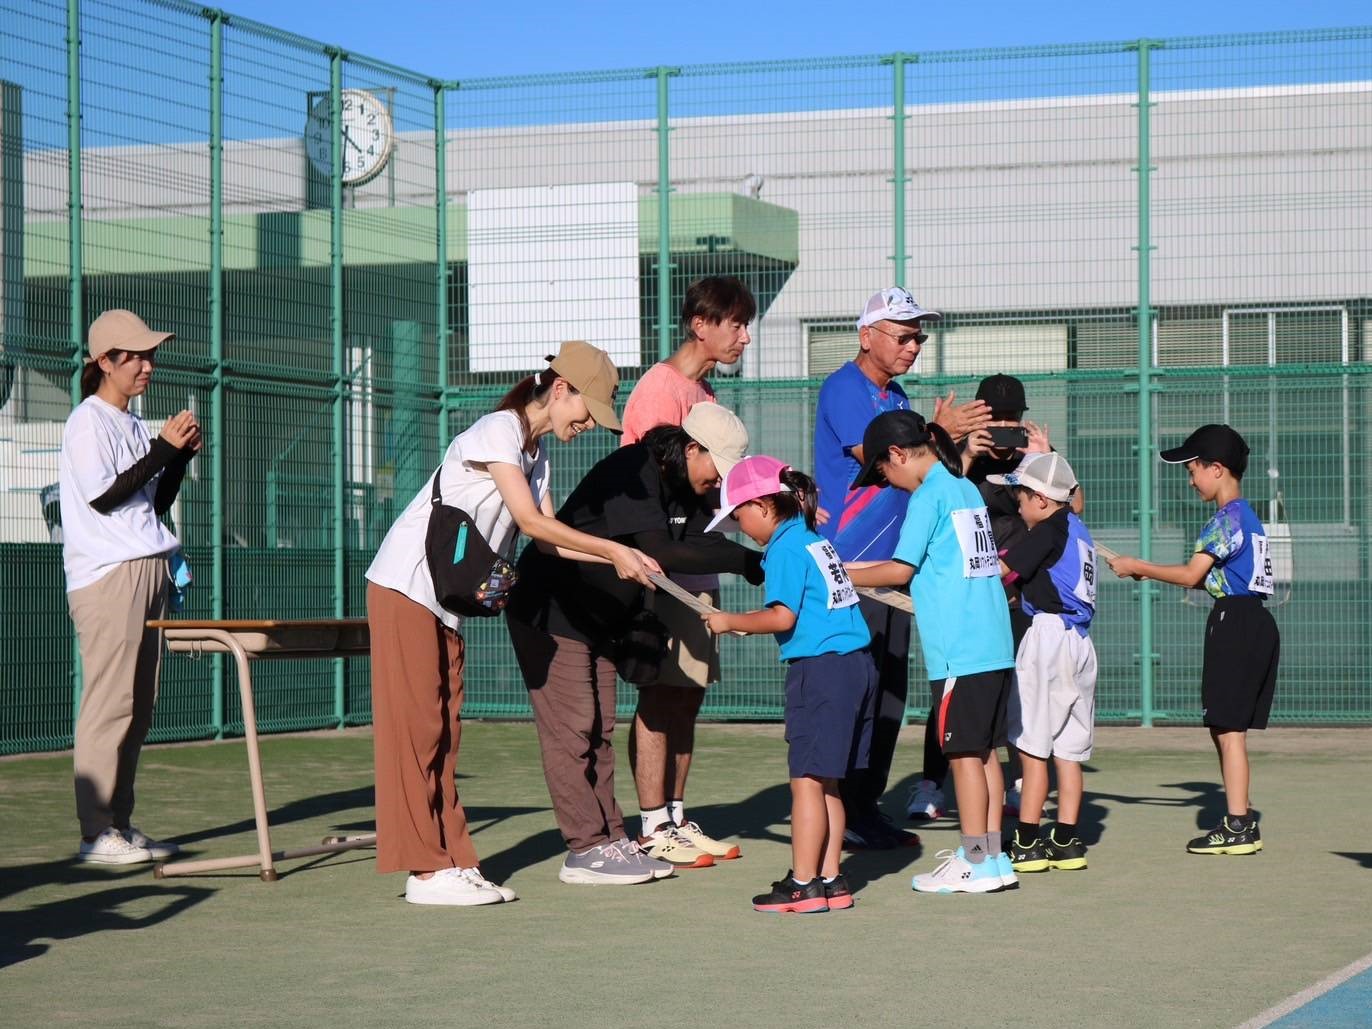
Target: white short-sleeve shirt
[(400, 563), (98, 443)]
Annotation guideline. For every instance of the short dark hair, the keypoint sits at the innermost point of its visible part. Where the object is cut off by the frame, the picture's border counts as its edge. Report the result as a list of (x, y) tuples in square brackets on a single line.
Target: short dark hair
[(717, 298)]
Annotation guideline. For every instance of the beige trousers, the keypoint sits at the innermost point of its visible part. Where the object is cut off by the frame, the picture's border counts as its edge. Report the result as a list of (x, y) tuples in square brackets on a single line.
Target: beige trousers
[(120, 657)]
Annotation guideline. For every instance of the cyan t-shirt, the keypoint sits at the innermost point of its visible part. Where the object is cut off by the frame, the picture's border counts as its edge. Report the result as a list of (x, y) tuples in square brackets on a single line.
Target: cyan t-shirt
[(804, 573), (1238, 543), (863, 523), (960, 609)]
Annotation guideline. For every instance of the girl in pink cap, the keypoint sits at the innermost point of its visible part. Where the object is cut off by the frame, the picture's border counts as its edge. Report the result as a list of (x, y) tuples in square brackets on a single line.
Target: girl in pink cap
[(812, 609)]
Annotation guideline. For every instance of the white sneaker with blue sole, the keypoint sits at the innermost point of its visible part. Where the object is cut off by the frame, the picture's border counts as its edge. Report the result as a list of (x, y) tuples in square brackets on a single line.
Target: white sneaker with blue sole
[(958, 875)]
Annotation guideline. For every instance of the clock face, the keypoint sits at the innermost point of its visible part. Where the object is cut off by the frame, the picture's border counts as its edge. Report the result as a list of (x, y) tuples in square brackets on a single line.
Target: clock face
[(367, 134)]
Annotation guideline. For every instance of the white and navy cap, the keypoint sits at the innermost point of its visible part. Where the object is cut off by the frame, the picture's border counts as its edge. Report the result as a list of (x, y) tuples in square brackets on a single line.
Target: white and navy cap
[(1049, 474), (894, 304)]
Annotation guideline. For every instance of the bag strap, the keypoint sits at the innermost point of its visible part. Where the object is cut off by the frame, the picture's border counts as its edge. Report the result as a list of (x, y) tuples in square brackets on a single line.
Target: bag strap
[(437, 498)]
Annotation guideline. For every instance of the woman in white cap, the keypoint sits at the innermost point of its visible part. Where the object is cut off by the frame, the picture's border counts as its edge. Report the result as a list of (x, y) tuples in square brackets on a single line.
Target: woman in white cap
[(497, 473), (115, 483)]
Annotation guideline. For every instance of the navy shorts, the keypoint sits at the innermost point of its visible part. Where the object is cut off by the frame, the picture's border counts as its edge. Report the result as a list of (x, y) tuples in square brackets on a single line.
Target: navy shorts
[(1239, 674), (830, 702)]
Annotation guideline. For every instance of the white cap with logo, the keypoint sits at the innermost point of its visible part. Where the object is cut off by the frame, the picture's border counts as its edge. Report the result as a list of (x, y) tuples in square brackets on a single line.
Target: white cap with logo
[(894, 304), (1049, 474)]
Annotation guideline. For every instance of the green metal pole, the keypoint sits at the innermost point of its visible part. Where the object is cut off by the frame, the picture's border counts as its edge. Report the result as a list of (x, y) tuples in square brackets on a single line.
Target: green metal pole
[(441, 270), (664, 218), (898, 119), (77, 321), (1145, 387), (217, 441), (336, 332)]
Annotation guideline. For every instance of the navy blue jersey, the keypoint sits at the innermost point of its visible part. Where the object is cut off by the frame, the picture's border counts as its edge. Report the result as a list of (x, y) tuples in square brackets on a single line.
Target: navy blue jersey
[(1055, 567)]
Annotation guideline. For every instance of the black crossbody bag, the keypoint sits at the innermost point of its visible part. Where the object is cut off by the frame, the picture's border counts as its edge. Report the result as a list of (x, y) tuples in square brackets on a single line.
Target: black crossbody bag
[(470, 579)]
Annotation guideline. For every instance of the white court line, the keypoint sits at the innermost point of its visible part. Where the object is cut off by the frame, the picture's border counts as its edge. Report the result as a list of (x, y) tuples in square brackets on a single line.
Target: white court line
[(1299, 1000)]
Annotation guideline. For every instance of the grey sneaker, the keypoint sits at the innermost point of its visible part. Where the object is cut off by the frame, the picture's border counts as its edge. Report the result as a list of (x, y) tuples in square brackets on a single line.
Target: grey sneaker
[(610, 864), (661, 869), (110, 848)]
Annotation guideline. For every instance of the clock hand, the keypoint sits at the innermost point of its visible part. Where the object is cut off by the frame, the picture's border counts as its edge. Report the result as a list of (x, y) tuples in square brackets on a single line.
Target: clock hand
[(348, 136)]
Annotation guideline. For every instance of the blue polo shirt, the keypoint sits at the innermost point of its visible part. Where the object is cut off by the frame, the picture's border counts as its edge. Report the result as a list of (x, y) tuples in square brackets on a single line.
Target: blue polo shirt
[(1055, 564), (960, 609), (805, 574), (863, 524), (1238, 543)]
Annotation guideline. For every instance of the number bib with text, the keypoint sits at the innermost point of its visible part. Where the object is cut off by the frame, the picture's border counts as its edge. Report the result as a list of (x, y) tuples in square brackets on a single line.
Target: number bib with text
[(1262, 579), (838, 585), (979, 555)]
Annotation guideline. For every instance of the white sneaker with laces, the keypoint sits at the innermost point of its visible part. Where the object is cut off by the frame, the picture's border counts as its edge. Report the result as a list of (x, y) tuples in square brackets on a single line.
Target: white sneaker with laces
[(958, 875), (159, 849), (111, 848), (473, 875), (925, 802), (451, 887)]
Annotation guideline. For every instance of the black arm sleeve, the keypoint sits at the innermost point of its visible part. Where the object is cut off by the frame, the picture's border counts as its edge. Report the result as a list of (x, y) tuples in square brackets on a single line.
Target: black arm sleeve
[(136, 476), (708, 552), (170, 484)]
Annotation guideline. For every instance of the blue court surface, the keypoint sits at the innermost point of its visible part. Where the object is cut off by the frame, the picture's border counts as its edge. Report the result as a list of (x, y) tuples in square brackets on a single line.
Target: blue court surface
[(1343, 1001)]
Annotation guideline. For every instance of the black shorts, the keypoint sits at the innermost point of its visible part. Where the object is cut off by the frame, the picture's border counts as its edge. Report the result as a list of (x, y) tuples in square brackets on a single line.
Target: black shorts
[(1239, 675), (971, 710), (830, 700)]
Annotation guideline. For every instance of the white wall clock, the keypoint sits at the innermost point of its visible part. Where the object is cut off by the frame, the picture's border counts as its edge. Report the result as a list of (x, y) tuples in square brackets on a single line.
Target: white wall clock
[(368, 136)]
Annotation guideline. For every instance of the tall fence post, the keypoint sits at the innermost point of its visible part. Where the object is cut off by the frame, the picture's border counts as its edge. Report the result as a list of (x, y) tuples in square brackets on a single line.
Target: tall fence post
[(74, 287), (336, 334), (1146, 591), (441, 328), (898, 177), (217, 445), (664, 217)]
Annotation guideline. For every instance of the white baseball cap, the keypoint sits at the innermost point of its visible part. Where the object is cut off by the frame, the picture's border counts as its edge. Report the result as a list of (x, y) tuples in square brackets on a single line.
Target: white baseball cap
[(894, 304), (1049, 474)]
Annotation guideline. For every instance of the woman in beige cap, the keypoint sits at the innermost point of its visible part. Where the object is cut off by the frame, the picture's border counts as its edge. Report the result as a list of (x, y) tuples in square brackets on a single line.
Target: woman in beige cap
[(497, 472), (116, 483)]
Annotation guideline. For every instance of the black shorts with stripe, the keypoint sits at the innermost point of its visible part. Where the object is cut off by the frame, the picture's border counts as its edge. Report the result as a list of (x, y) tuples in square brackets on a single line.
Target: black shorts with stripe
[(1239, 674), (971, 710)]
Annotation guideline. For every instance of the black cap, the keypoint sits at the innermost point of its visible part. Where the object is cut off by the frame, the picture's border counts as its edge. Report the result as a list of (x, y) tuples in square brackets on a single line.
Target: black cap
[(1215, 443), (888, 429), (1002, 393)]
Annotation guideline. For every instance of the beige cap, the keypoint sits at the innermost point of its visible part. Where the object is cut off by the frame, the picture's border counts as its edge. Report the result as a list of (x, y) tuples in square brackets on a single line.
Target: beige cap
[(595, 377), (118, 329), (719, 431)]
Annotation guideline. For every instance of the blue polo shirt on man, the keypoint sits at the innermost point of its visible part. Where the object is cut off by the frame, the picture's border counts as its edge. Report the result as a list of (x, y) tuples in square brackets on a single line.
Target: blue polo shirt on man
[(863, 524), (960, 609), (1237, 541), (804, 572)]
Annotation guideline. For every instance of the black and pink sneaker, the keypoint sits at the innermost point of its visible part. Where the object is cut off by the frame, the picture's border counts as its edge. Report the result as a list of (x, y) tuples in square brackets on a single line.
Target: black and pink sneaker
[(786, 896)]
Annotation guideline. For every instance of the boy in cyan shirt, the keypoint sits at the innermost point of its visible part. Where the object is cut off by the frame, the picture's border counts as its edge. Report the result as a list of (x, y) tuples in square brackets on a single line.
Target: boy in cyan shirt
[(1242, 645), (947, 553)]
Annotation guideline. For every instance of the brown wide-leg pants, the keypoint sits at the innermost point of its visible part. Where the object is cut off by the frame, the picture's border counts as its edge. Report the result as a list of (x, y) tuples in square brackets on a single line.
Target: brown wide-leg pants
[(120, 657), (416, 727)]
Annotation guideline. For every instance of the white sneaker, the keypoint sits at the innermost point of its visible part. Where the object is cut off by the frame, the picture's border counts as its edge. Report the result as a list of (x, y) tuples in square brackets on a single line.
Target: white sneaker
[(159, 849), (1008, 879), (958, 875), (453, 887), (925, 802), (110, 848), (473, 875)]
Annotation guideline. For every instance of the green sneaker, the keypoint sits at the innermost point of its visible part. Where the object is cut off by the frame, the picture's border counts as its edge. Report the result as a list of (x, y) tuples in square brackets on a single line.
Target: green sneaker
[(1231, 836), (1066, 857), (1028, 857)]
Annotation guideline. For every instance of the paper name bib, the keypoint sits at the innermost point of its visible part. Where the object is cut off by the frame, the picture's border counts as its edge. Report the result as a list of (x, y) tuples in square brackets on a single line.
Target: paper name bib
[(1261, 580), (979, 555), (1086, 585), (836, 581)]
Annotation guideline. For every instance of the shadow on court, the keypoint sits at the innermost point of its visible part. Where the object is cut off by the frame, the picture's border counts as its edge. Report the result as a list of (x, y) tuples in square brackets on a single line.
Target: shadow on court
[(1363, 859)]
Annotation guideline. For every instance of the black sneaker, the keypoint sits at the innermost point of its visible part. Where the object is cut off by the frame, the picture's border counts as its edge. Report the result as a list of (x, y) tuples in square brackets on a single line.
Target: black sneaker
[(1231, 836), (1027, 857), (838, 893), (875, 832), (786, 896), (1066, 857)]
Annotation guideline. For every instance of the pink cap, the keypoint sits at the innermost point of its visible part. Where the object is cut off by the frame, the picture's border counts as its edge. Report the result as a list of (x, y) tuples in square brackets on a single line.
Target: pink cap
[(753, 477)]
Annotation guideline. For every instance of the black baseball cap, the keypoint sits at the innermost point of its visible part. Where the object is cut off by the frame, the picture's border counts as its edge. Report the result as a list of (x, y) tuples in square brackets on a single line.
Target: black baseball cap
[(889, 429), (1002, 393), (1218, 444)]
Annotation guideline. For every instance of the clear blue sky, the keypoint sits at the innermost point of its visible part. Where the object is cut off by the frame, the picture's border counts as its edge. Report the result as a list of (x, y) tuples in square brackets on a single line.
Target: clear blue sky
[(478, 38)]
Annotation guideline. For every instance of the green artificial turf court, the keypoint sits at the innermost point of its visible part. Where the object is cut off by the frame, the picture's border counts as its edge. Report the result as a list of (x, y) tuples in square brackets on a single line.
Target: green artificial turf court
[(1147, 936)]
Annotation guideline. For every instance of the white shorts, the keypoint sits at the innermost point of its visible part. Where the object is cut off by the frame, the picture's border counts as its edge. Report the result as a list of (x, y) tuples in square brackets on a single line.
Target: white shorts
[(1053, 705)]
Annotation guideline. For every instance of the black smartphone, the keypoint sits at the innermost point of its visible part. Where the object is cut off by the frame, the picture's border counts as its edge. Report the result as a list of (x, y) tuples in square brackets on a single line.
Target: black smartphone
[(1007, 437)]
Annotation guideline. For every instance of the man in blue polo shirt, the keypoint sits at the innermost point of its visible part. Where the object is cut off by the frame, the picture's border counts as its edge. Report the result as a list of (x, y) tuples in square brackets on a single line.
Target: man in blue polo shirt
[(864, 524)]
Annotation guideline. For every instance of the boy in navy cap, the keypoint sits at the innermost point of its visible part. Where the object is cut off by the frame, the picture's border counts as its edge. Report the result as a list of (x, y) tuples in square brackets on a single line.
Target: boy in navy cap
[(1242, 646)]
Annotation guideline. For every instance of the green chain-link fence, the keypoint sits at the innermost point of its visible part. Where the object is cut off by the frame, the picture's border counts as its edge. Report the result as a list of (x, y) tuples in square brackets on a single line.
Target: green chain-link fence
[(1183, 221)]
